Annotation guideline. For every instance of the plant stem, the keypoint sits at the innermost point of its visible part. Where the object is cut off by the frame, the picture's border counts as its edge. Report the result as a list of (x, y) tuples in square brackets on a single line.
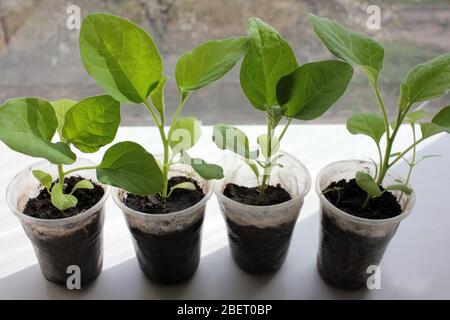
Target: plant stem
[(366, 202), (79, 169), (61, 175), (383, 110), (267, 168), (285, 129)]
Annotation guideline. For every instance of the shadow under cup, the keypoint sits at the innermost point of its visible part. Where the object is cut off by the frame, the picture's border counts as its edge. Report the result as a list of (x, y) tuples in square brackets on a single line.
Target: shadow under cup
[(62, 246)]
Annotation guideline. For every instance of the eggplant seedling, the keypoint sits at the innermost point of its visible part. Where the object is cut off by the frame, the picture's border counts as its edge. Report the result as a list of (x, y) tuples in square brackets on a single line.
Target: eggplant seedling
[(124, 60), (27, 125), (424, 82), (277, 85)]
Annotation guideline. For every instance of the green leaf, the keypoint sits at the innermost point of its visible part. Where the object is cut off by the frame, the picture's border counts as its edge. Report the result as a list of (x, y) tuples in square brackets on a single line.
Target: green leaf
[(366, 182), (442, 119), (404, 94), (185, 134), (44, 178), (400, 187), (157, 95), (128, 166), (269, 58), (27, 125), (208, 62), (264, 145), (413, 117), (120, 56), (429, 80), (61, 107), (231, 138), (183, 185), (92, 123), (60, 200), (311, 89), (83, 184), (355, 48), (207, 171), (253, 167), (429, 129), (369, 124)]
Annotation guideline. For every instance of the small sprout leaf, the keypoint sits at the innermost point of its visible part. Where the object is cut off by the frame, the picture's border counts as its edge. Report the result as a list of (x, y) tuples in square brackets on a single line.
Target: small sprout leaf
[(44, 178), (400, 187), (182, 185), (366, 182), (83, 184), (60, 200)]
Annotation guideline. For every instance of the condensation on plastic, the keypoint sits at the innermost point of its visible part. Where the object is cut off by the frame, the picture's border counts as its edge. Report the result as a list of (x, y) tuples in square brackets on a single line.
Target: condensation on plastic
[(168, 245), (260, 236), (350, 244), (58, 243)]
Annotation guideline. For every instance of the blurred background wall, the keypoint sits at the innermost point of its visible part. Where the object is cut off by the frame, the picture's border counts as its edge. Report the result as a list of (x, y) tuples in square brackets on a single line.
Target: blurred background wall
[(39, 54)]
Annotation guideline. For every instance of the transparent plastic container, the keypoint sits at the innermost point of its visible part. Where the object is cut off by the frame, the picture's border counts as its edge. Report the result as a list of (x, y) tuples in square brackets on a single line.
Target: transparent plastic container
[(168, 245), (349, 245), (260, 236), (60, 243)]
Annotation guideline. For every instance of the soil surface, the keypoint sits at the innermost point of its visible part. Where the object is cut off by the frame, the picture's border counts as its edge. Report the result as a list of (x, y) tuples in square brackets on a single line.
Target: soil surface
[(250, 196), (180, 199), (42, 208), (350, 198)]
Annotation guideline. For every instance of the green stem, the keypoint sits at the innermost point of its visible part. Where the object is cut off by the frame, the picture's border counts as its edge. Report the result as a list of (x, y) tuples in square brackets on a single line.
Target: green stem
[(61, 175), (413, 159), (383, 110), (79, 169), (401, 155), (267, 168), (285, 129)]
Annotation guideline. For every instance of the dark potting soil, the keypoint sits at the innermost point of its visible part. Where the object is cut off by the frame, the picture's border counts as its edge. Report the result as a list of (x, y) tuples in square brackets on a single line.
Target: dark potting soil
[(180, 199), (258, 250), (250, 196), (170, 257), (344, 256), (350, 198), (42, 208), (255, 249)]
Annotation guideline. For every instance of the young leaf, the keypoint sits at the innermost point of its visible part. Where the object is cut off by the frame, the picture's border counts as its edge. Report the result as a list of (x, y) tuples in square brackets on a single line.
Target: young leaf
[(61, 107), (354, 48), (27, 125), (231, 138), (44, 178), (414, 116), (366, 182), (185, 135), (92, 123), (83, 184), (269, 57), (157, 95), (429, 129), (442, 119), (253, 167), (128, 166), (400, 187), (311, 89), (120, 56), (207, 171), (369, 124), (264, 145), (208, 62), (183, 185), (60, 200), (429, 80)]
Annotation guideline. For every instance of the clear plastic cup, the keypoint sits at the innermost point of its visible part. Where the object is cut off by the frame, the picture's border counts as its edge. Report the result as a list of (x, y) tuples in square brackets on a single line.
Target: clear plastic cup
[(260, 236), (61, 243), (351, 248), (168, 245)]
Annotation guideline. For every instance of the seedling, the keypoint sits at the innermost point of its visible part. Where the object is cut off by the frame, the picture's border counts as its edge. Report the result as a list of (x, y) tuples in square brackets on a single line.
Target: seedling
[(424, 82), (124, 60), (27, 125), (275, 84)]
